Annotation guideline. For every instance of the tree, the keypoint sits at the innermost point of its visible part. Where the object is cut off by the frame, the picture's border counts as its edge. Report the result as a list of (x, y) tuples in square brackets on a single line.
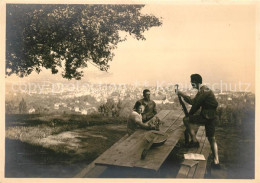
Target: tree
[(22, 106), (69, 36), (9, 107)]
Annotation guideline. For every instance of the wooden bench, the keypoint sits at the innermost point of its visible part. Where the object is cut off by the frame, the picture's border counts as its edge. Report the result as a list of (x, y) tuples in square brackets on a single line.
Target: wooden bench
[(92, 170), (126, 153), (198, 170)]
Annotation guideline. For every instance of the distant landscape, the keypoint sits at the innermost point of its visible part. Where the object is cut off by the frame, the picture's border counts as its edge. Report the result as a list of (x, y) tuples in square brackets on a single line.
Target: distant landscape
[(71, 129)]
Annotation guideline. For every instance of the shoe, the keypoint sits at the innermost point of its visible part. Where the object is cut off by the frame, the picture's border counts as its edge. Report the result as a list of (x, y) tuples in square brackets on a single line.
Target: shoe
[(215, 166), (186, 145), (194, 145)]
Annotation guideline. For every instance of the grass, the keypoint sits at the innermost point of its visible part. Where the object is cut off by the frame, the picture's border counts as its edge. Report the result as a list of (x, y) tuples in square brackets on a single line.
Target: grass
[(72, 120), (54, 131), (24, 133), (236, 144)]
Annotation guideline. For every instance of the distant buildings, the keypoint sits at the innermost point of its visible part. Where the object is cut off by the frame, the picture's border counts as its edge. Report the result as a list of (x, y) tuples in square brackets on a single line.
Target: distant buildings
[(84, 112), (31, 110), (56, 106), (158, 101), (162, 99), (88, 100), (77, 109), (64, 104)]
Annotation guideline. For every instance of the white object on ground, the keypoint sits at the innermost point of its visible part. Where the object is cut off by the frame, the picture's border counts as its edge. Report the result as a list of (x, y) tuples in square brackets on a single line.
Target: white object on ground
[(194, 156), (189, 162)]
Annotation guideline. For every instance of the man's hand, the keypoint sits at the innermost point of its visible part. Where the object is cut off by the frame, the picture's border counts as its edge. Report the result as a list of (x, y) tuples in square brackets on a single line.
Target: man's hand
[(157, 127), (180, 93), (151, 126)]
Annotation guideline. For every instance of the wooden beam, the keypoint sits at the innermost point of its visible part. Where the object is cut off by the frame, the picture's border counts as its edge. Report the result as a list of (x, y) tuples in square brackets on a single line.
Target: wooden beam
[(201, 167), (96, 171), (87, 171), (162, 114), (184, 170), (128, 153), (158, 155), (169, 120), (202, 142), (197, 171)]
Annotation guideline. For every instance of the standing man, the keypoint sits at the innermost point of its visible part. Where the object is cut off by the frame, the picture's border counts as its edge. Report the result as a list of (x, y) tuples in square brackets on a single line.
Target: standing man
[(206, 100), (150, 106)]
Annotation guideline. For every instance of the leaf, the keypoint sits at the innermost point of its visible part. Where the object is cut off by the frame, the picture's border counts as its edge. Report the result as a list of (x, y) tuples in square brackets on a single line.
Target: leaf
[(47, 35)]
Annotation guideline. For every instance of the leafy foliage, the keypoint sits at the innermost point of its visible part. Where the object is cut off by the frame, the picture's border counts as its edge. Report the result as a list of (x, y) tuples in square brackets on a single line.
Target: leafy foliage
[(69, 36)]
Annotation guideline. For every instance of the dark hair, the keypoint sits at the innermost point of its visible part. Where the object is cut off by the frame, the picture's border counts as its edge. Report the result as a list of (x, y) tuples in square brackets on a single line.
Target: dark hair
[(137, 105), (145, 91), (196, 78)]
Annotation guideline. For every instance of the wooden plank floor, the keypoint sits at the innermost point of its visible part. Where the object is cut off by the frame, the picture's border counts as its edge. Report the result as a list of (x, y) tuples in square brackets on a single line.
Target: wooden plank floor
[(197, 171), (128, 152)]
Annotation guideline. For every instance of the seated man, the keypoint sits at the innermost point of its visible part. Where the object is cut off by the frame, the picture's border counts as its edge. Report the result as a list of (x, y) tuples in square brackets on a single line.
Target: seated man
[(206, 100), (135, 120), (150, 106)]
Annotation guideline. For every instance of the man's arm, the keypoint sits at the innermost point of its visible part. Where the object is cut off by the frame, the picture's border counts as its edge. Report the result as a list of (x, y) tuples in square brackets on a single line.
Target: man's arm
[(147, 116), (154, 108), (198, 100), (136, 103), (187, 98), (151, 113), (143, 125)]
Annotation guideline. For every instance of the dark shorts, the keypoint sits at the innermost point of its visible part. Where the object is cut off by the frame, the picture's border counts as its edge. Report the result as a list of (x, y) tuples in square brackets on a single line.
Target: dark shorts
[(209, 124)]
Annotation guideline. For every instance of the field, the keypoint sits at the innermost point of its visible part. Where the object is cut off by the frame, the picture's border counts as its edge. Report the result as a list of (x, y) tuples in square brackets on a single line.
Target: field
[(61, 145)]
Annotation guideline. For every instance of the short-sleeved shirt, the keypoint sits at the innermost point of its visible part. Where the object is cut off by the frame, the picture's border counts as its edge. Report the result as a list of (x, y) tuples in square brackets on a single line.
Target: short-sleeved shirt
[(149, 110), (131, 122), (204, 99)]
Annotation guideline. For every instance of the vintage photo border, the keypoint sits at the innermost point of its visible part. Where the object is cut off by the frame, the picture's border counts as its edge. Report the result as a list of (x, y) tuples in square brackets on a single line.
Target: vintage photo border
[(2, 89)]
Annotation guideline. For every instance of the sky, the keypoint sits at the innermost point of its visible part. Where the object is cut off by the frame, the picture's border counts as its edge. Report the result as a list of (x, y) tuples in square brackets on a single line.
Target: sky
[(216, 41)]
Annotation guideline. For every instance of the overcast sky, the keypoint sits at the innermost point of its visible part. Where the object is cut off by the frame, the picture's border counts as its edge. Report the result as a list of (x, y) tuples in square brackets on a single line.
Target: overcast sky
[(216, 41)]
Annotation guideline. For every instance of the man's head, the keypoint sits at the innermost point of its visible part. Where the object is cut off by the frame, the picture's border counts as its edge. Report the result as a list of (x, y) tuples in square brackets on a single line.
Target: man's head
[(195, 80), (146, 94)]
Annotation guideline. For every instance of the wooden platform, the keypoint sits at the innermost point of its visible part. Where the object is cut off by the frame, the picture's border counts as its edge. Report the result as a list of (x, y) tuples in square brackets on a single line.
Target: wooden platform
[(92, 170), (198, 170), (127, 151)]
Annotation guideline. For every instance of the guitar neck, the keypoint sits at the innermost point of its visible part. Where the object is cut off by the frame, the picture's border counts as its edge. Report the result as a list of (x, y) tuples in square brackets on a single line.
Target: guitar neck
[(183, 107)]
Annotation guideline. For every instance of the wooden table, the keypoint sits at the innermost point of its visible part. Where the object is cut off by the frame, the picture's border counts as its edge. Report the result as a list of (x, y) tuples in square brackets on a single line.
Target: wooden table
[(127, 153)]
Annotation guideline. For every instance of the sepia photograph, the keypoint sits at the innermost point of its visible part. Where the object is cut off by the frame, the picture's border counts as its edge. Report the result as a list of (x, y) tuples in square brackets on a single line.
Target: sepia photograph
[(141, 90)]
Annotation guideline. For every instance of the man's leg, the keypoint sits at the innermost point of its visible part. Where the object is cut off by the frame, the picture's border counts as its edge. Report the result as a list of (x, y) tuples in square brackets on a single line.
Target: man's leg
[(210, 133), (186, 137), (189, 129), (214, 149)]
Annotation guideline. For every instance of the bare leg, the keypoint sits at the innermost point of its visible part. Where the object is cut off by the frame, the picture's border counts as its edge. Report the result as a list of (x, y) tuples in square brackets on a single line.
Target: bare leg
[(214, 149), (189, 129)]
